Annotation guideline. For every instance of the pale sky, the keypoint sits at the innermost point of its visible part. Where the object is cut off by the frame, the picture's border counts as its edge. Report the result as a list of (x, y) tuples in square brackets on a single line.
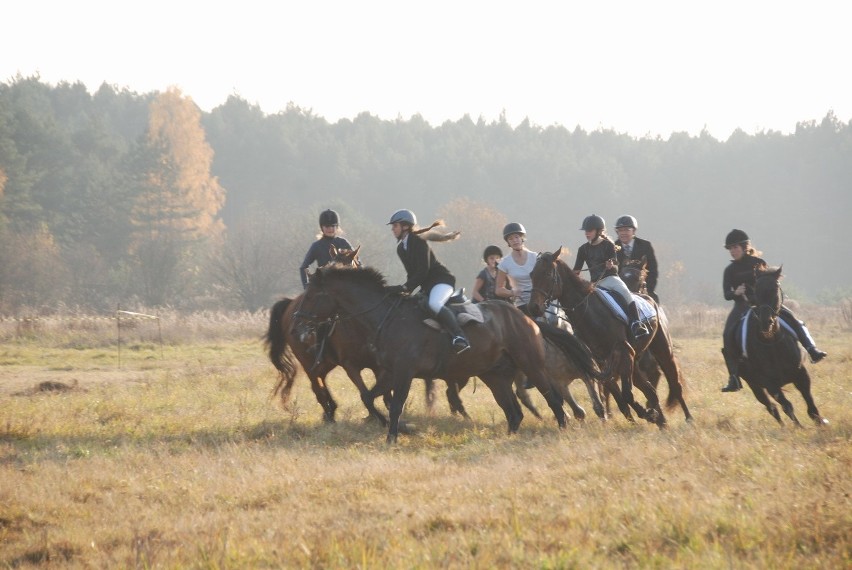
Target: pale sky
[(638, 67)]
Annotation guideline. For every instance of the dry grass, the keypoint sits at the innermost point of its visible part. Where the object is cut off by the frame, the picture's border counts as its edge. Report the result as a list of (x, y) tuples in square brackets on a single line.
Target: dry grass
[(180, 460)]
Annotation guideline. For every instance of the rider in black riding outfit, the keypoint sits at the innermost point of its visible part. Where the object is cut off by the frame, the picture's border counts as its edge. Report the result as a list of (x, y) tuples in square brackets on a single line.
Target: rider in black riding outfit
[(329, 222), (425, 271), (738, 286), (629, 247)]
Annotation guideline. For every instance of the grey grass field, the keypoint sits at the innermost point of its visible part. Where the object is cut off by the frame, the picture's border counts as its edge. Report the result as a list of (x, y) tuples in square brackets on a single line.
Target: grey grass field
[(181, 459)]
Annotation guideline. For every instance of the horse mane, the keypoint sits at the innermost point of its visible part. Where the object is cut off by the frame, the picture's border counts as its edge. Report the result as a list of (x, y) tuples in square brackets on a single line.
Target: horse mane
[(369, 276), (566, 272)]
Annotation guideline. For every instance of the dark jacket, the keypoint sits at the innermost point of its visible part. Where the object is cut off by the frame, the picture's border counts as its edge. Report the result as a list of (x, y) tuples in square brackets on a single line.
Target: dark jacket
[(596, 256), (642, 247), (422, 268), (319, 252), (737, 273)]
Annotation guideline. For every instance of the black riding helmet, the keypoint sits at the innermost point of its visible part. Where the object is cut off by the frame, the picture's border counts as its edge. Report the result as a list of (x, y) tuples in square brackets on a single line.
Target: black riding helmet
[(736, 237), (593, 222), (513, 228), (329, 218), (627, 221), (491, 250)]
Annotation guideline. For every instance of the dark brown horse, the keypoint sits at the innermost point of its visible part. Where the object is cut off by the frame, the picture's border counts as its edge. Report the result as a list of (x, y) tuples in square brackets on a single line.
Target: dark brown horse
[(405, 348), (605, 334), (633, 272), (321, 346), (773, 355)]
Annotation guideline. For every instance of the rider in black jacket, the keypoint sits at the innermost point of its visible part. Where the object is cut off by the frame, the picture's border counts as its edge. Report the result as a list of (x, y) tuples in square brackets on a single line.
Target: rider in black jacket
[(738, 286), (319, 251), (628, 247)]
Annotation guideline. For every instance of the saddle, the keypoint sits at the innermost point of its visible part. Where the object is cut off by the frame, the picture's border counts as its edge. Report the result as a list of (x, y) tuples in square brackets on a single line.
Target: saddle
[(616, 305), (459, 303)]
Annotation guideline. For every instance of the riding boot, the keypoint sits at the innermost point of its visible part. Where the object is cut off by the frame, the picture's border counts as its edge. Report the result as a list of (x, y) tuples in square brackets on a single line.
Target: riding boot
[(637, 328), (447, 318), (734, 383), (804, 336)]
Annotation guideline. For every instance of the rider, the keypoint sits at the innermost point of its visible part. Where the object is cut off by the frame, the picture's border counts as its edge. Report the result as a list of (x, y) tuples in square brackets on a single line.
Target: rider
[(628, 247), (598, 253), (425, 271), (486, 280), (329, 222), (738, 286), (515, 269)]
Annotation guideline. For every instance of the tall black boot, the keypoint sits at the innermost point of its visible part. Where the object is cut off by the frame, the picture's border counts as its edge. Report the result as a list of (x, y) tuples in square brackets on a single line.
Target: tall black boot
[(637, 328), (447, 318), (734, 382), (804, 335)]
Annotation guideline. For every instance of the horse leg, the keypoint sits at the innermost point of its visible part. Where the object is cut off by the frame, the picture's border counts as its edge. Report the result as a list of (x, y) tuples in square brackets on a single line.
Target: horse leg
[(520, 382), (802, 382), (652, 401), (565, 391), (368, 397), (454, 397), (661, 349), (323, 396), (623, 357), (500, 384), (610, 388), (400, 395), (354, 374), (786, 405), (594, 396), (553, 399), (429, 385), (760, 393)]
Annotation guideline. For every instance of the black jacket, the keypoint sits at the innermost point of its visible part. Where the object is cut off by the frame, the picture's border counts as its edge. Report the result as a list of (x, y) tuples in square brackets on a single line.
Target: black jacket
[(319, 252), (642, 247), (422, 268), (595, 257), (738, 273)]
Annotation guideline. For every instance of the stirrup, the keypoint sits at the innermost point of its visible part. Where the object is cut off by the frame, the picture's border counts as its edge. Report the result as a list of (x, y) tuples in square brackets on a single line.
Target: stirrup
[(460, 344), (638, 329)]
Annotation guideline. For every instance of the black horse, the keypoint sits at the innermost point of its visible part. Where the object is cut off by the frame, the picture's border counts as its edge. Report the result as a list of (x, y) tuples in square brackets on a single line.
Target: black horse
[(773, 355), (405, 348)]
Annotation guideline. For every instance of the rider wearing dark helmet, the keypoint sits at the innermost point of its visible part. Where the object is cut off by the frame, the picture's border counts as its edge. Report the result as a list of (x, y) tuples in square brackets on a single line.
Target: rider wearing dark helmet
[(329, 222), (486, 281), (425, 271), (598, 253), (629, 247), (513, 272), (738, 286)]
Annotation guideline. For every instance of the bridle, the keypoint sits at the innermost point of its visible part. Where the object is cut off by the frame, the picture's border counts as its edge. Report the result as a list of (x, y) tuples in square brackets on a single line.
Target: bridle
[(556, 281)]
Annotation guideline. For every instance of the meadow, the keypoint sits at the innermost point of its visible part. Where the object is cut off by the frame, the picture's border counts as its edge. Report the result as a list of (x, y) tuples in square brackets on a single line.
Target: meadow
[(172, 454)]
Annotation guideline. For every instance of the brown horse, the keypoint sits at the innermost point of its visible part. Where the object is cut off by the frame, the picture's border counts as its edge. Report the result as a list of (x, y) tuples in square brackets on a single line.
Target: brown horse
[(605, 334), (405, 348), (322, 347), (633, 272), (773, 355)]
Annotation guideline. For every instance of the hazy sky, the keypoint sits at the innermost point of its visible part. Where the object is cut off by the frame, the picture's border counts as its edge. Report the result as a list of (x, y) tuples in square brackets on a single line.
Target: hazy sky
[(640, 67)]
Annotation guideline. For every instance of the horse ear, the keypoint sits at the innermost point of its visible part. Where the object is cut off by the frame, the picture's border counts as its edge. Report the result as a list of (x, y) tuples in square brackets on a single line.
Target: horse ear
[(356, 250), (778, 271), (558, 251), (332, 251)]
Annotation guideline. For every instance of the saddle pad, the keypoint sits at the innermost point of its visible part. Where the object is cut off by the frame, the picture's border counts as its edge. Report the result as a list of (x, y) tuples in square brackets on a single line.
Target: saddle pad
[(743, 329), (471, 313), (643, 306)]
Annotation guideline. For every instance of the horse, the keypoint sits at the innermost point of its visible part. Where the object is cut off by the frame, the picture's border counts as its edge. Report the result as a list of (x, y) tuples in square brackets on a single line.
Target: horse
[(633, 272), (773, 355), (320, 349), (606, 335), (505, 341)]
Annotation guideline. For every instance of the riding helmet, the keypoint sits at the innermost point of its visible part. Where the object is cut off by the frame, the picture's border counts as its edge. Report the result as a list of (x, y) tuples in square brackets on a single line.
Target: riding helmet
[(735, 237), (491, 250), (593, 222), (329, 218), (627, 222), (513, 228), (403, 216)]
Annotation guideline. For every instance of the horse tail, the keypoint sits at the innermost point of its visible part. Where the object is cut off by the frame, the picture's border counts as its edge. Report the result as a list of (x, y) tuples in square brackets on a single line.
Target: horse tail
[(573, 348), (281, 358)]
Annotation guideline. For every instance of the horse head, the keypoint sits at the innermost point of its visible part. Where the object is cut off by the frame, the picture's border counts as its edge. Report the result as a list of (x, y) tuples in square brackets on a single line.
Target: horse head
[(767, 299), (633, 272), (546, 285), (344, 256)]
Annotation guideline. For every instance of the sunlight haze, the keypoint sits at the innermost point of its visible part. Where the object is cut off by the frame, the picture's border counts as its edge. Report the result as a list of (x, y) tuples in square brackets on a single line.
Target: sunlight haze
[(649, 68)]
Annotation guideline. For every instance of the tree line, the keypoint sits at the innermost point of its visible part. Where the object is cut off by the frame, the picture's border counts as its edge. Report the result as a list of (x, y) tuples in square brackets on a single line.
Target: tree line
[(116, 196)]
